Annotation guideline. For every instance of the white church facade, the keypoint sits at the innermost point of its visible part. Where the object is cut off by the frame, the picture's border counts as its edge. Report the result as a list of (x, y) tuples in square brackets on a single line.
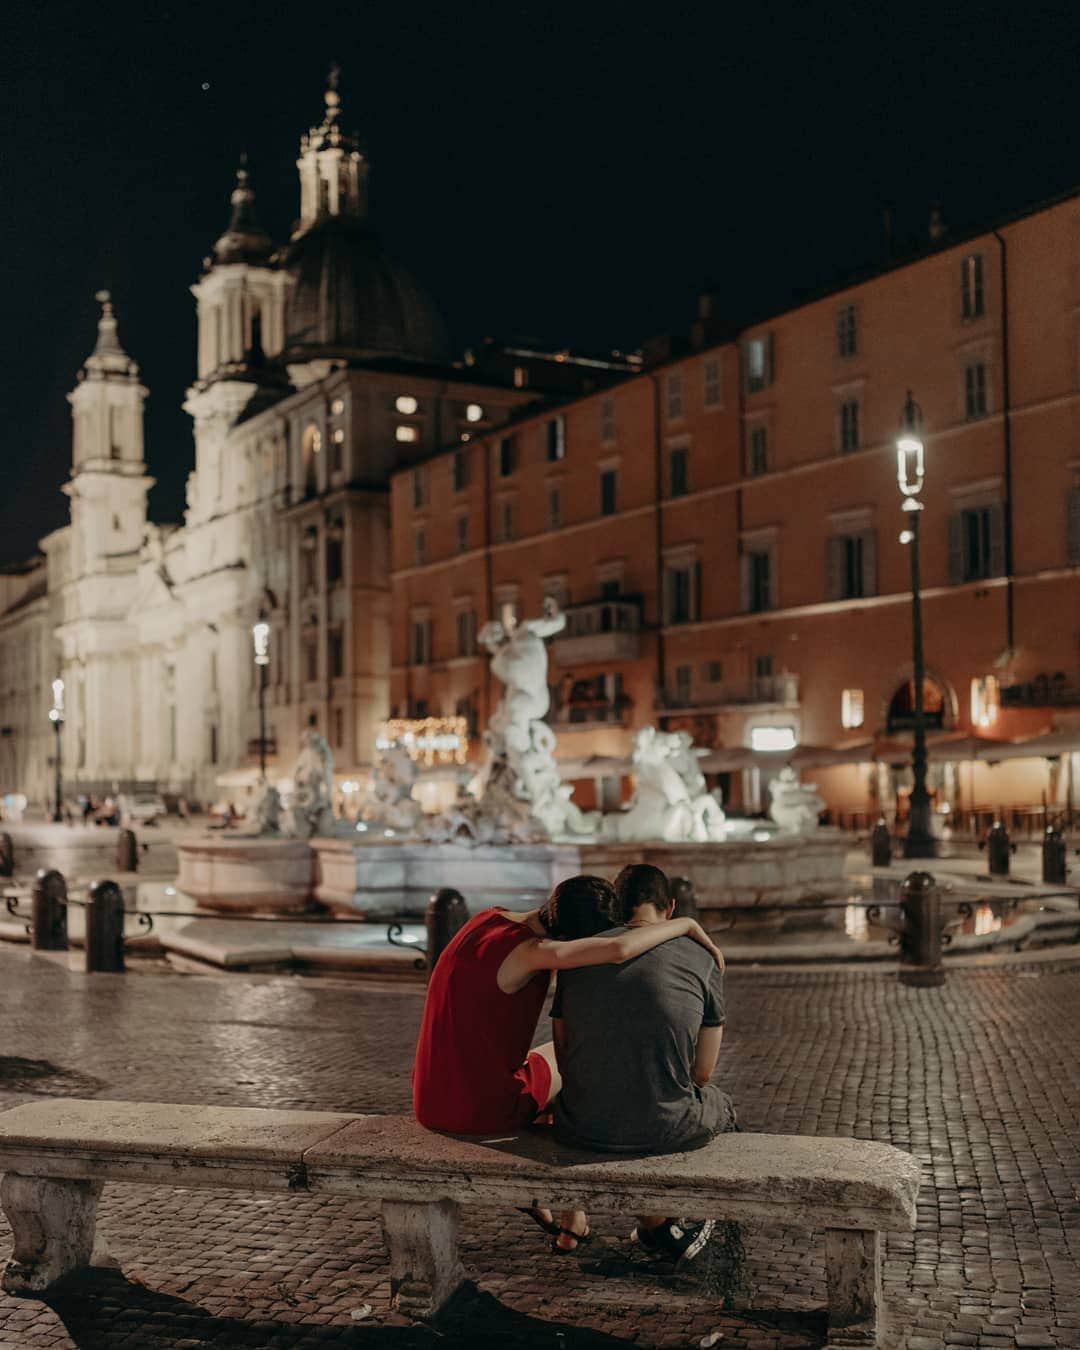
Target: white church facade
[(322, 366)]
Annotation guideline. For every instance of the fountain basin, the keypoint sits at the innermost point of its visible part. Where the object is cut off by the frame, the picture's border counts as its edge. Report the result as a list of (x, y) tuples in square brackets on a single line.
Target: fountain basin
[(248, 875)]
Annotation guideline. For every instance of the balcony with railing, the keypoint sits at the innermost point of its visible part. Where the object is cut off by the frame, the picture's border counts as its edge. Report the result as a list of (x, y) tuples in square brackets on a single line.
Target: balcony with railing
[(1044, 691), (592, 714), (599, 631), (761, 691)]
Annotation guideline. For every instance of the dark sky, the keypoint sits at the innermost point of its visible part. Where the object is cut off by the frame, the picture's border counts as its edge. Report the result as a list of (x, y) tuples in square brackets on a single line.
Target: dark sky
[(570, 172)]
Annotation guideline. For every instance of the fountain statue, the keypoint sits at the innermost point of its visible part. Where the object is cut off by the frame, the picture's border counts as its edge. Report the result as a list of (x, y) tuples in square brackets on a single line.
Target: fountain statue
[(267, 810), (672, 801), (313, 778), (795, 806), (520, 795), (393, 806)]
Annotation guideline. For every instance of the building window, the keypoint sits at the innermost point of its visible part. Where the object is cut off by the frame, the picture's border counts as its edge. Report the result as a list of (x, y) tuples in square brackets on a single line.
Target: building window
[(681, 594), (674, 391), (1072, 544), (851, 708), (680, 471), (849, 426), (609, 488), (975, 390), (307, 569), (713, 671), (507, 456), (419, 487), (421, 642), (607, 418), (334, 560), (506, 521), (461, 525), (461, 470), (420, 544), (976, 544), (683, 678), (335, 654), (337, 407), (406, 404), (339, 727), (310, 449), (852, 565), (985, 701), (758, 451), (556, 438), (971, 286), (337, 449), (311, 660), (521, 377), (757, 580), (711, 391), (466, 632), (758, 358), (406, 435), (847, 331)]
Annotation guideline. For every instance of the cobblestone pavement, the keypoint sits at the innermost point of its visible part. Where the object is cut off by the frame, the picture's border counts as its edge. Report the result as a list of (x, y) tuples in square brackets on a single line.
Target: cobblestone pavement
[(978, 1079)]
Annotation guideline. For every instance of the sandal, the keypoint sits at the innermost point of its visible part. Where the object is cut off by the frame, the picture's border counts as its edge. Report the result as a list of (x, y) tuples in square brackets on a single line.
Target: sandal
[(548, 1225), (579, 1239)]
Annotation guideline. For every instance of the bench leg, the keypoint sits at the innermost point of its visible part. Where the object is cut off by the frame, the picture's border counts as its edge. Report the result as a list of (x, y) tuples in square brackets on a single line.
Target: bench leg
[(853, 1274), (424, 1265), (53, 1224)]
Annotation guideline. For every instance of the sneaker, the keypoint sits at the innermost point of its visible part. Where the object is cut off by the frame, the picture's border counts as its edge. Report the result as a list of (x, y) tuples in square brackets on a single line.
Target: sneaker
[(675, 1240)]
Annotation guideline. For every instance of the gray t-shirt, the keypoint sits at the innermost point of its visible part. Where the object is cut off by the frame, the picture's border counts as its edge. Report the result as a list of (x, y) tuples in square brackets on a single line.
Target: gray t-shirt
[(630, 1036)]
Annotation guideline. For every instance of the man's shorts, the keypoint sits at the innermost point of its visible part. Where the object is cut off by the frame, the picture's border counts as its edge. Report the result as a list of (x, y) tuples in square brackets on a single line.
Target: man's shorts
[(534, 1079)]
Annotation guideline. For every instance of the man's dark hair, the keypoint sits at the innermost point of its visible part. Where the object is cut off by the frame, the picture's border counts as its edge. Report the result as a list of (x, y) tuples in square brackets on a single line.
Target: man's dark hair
[(577, 908), (637, 885)]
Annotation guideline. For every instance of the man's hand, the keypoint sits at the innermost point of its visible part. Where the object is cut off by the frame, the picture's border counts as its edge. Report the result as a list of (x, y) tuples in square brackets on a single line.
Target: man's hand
[(695, 930)]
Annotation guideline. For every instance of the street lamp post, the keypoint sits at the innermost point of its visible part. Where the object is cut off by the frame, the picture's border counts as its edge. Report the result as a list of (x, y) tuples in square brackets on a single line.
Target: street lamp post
[(56, 717), (260, 638), (910, 472)]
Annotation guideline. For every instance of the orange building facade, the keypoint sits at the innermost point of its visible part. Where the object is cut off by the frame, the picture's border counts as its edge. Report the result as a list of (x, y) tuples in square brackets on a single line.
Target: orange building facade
[(723, 530)]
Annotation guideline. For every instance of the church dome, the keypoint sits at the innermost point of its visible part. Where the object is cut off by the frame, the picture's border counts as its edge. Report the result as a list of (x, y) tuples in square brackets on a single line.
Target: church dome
[(349, 297)]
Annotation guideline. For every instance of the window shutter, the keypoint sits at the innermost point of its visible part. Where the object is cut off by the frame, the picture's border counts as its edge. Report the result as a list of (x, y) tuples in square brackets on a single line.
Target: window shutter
[(770, 359), (834, 567), (1074, 527), (695, 599), (997, 540), (869, 562), (744, 582), (956, 549)]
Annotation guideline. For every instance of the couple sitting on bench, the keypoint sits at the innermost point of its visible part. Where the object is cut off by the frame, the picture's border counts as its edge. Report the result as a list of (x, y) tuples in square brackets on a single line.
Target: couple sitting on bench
[(638, 1017)]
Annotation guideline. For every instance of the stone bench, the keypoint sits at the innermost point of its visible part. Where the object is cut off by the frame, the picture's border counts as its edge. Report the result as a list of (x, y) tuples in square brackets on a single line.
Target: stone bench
[(57, 1153)]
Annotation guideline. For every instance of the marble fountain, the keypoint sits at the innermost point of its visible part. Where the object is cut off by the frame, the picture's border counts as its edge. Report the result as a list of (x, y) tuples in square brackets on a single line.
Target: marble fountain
[(512, 831)]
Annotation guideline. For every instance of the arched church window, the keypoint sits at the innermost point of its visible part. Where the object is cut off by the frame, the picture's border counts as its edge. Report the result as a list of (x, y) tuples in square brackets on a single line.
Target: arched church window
[(901, 716), (310, 449), (114, 433)]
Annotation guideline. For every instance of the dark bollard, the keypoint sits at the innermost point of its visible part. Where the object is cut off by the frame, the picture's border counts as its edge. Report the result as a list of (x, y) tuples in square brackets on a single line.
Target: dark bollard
[(105, 928), (127, 852), (1054, 866), (998, 849), (682, 889), (880, 844), (7, 856), (48, 927), (920, 938), (446, 913)]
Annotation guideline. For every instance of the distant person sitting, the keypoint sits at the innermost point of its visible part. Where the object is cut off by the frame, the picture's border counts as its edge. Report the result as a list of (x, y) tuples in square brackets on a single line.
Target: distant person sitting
[(636, 1046)]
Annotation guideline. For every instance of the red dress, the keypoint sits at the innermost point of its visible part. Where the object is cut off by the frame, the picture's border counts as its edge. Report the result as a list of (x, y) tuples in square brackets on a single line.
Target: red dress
[(473, 1073)]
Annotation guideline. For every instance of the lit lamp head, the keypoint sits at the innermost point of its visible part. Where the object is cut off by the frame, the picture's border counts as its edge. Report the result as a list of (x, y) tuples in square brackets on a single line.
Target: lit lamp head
[(56, 712), (260, 640), (910, 464)]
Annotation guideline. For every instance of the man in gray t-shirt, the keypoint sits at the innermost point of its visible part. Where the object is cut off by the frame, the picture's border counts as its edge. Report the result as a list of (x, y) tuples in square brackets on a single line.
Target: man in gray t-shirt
[(637, 1044)]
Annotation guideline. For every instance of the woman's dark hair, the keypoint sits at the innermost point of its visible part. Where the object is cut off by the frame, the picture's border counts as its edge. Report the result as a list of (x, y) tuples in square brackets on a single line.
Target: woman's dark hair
[(637, 885), (577, 908)]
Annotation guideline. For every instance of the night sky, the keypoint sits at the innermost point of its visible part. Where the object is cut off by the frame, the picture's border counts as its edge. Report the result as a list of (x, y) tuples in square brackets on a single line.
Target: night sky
[(571, 173)]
